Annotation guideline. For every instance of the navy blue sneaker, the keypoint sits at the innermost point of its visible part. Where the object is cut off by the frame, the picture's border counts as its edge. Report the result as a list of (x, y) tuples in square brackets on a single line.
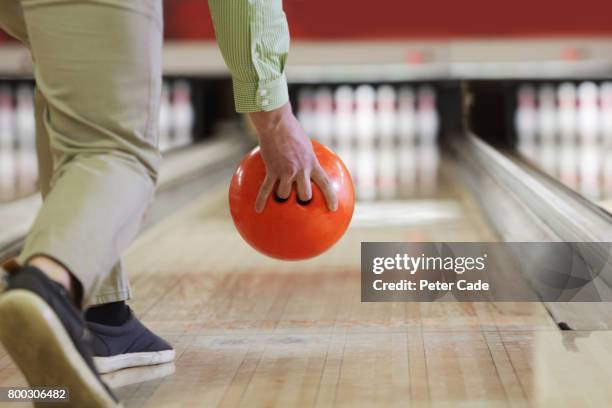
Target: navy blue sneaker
[(46, 336), (128, 345)]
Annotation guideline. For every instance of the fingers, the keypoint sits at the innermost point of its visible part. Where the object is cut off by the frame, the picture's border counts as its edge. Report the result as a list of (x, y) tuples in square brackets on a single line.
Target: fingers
[(264, 192), (304, 187), (284, 187), (319, 177)]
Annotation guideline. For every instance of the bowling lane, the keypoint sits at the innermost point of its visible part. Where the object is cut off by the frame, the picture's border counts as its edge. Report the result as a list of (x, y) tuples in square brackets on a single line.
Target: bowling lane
[(252, 331)]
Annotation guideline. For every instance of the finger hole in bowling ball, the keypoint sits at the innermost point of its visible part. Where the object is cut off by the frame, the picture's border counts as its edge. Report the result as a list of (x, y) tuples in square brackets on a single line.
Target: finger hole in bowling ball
[(304, 202), (279, 199)]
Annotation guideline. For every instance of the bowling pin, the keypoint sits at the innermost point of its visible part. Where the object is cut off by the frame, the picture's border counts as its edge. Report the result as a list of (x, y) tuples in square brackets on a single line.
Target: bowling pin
[(525, 116), (344, 125), (428, 161), (386, 182), (528, 149), (344, 118), (547, 119), (386, 115), (589, 170), (365, 117), (548, 157), (8, 173), (306, 110), (606, 112), (323, 115), (387, 172), (427, 114), (407, 177), (607, 173), (165, 119), (568, 165), (365, 173), (588, 112), (25, 130), (182, 114), (566, 95), (406, 120)]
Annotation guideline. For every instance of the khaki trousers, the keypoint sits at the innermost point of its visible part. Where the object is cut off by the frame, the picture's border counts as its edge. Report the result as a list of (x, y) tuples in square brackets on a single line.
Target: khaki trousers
[(98, 83)]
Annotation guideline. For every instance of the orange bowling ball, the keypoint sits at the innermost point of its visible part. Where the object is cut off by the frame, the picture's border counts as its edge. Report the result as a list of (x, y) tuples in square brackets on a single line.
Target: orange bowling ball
[(289, 230)]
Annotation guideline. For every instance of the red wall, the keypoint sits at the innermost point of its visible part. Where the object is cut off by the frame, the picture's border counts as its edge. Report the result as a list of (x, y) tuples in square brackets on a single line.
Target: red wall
[(344, 19)]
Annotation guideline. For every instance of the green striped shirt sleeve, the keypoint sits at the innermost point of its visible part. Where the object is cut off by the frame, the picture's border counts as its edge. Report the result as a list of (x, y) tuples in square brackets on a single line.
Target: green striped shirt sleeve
[(254, 39)]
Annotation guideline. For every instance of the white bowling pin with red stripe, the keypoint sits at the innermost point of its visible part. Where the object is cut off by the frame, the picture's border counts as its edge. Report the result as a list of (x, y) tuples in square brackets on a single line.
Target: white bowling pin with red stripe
[(406, 115), (386, 115), (588, 112), (567, 111), (182, 114), (547, 118), (324, 115), (525, 115), (344, 119), (428, 121), (25, 130)]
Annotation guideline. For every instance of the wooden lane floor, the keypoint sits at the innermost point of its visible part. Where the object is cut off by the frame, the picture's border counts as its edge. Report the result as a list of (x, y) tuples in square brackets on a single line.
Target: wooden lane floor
[(251, 331)]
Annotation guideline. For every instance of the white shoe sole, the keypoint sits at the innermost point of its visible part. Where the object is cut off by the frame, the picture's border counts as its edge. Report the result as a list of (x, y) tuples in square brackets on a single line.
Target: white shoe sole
[(121, 361), (37, 341), (138, 375)]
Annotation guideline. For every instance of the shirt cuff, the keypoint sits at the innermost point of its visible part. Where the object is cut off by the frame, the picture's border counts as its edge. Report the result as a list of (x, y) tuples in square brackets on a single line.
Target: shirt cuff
[(260, 96)]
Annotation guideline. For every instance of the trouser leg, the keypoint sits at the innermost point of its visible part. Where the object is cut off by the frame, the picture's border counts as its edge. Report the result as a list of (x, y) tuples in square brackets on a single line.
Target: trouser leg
[(98, 77), (11, 20), (116, 287)]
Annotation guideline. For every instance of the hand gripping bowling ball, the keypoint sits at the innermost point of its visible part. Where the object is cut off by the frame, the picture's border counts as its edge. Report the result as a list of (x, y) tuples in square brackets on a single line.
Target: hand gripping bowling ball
[(291, 230)]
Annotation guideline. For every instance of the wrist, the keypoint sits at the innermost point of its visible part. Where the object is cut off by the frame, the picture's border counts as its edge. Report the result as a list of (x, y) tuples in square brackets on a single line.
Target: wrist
[(266, 122)]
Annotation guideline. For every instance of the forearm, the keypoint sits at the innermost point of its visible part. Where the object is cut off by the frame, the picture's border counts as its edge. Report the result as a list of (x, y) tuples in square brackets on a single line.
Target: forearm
[(254, 39), (268, 122)]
